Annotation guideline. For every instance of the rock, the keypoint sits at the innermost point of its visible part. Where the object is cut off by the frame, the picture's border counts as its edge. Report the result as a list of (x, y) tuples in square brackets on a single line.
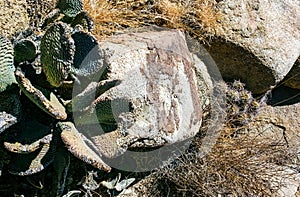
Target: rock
[(281, 124), (158, 99), (293, 78), (258, 43), (159, 63)]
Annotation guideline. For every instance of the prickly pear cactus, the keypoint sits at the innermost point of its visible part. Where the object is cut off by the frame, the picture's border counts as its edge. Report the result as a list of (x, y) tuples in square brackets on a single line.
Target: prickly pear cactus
[(87, 59), (6, 64), (70, 8), (35, 143), (57, 53), (25, 50), (84, 20)]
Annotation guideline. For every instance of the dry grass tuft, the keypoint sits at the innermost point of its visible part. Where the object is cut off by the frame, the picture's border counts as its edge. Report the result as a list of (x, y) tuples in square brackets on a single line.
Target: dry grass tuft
[(199, 17), (244, 166), (242, 162)]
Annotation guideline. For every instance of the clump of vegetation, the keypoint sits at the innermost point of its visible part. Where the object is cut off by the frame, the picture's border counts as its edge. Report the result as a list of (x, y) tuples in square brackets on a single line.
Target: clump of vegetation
[(239, 164), (199, 17)]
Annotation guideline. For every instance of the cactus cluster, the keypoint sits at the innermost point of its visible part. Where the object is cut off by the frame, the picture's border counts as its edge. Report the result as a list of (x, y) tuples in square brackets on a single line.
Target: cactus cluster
[(38, 61), (67, 42), (241, 105)]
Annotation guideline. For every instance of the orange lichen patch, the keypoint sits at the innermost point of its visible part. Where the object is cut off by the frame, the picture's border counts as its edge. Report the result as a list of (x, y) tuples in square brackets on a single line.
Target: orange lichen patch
[(199, 17)]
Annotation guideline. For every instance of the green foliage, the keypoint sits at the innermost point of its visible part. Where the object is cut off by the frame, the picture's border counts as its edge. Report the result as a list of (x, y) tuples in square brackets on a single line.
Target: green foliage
[(57, 53), (87, 59), (6, 64), (25, 50), (70, 8)]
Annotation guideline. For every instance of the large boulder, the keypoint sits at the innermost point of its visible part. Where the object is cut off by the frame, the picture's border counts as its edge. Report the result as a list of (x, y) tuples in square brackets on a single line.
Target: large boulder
[(259, 41)]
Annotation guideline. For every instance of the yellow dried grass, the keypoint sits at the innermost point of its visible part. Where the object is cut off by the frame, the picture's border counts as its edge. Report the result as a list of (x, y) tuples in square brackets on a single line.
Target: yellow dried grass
[(199, 17)]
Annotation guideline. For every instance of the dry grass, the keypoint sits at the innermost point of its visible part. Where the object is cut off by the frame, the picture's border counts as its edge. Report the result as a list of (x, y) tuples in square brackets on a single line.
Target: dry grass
[(241, 166), (199, 17)]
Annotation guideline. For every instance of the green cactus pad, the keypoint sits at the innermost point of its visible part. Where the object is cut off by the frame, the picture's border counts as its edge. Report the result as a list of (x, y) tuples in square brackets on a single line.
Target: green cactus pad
[(7, 68), (27, 137), (57, 52), (87, 58), (25, 50), (70, 8), (51, 106), (77, 146), (106, 111), (83, 19), (36, 156)]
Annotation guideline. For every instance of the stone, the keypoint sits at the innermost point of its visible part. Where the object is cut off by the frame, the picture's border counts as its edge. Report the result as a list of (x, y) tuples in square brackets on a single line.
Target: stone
[(157, 101), (277, 123), (281, 124), (258, 43)]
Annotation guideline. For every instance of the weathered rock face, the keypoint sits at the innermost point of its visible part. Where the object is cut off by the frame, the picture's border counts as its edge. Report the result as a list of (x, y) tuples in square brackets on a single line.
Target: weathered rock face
[(157, 75), (281, 124), (278, 123), (259, 41), (157, 100), (293, 78)]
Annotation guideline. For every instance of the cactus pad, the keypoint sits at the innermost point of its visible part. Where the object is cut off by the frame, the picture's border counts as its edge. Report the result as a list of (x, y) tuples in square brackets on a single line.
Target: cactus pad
[(57, 51), (87, 58), (70, 8), (84, 20), (6, 64), (77, 146), (36, 143), (51, 106), (25, 50)]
